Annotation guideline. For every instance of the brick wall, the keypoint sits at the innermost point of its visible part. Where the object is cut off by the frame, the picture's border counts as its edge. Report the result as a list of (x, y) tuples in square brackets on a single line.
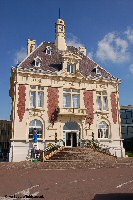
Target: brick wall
[(52, 100), (21, 101), (114, 107), (88, 101)]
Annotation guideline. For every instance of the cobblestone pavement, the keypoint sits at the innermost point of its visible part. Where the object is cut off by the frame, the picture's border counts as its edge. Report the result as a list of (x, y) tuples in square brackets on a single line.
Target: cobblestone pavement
[(111, 183)]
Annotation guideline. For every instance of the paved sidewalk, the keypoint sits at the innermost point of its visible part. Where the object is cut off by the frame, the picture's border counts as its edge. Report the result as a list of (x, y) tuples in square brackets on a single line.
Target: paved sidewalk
[(67, 184)]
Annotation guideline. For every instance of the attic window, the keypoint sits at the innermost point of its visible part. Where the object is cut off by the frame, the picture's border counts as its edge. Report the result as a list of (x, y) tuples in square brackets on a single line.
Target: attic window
[(38, 61), (48, 50), (96, 70), (71, 68)]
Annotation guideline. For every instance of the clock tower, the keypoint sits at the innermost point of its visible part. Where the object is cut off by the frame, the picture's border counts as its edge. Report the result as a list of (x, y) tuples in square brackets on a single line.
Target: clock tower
[(61, 35)]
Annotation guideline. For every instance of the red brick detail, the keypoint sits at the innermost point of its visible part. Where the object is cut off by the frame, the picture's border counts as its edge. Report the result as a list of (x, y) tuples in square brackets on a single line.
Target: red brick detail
[(114, 107), (88, 101), (21, 101), (52, 101)]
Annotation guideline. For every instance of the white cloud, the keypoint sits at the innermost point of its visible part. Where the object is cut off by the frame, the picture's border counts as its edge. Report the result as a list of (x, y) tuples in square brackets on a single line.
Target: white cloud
[(20, 55), (90, 54), (113, 48), (131, 68), (129, 34), (74, 41)]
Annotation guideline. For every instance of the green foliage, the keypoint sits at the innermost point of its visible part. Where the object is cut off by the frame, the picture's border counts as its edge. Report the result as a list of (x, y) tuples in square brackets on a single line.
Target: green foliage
[(129, 153)]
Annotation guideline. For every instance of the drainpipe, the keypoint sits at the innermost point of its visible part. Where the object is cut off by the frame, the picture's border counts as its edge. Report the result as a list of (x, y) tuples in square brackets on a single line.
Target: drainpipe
[(12, 151), (82, 131)]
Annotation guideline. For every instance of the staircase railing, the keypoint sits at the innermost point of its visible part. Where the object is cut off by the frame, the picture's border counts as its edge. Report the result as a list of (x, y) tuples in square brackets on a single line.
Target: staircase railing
[(51, 149), (40, 155), (96, 145)]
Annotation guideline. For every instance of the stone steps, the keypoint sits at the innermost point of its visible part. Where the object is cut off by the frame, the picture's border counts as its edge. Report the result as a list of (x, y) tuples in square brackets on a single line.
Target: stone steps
[(64, 160), (80, 158)]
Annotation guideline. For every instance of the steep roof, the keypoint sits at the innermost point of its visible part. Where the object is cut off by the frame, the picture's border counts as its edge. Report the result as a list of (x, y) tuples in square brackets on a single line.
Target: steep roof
[(53, 62)]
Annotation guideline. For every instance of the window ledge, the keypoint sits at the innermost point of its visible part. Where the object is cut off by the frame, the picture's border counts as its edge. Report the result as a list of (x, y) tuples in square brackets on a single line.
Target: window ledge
[(35, 109), (39, 140), (103, 139), (72, 111), (102, 112)]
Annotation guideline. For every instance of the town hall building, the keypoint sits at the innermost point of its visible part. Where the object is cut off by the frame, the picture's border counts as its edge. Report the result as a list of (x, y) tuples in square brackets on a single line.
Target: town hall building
[(63, 94)]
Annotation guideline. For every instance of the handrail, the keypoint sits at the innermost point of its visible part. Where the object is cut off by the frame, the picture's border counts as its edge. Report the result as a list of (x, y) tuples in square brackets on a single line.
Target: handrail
[(40, 154), (97, 146)]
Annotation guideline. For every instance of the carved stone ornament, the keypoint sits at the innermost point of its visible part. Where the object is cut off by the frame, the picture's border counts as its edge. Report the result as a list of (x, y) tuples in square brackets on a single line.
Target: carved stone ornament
[(36, 112)]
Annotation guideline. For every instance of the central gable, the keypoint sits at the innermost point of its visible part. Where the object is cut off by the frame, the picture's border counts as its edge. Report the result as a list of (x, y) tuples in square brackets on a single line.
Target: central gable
[(72, 57)]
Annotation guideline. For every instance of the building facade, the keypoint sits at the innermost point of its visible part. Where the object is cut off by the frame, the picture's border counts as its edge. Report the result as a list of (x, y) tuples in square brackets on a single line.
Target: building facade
[(5, 136), (127, 121), (65, 95)]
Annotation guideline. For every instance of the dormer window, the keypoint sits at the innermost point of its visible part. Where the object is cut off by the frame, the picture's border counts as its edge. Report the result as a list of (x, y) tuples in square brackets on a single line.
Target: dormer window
[(38, 61), (97, 70), (71, 68), (48, 50)]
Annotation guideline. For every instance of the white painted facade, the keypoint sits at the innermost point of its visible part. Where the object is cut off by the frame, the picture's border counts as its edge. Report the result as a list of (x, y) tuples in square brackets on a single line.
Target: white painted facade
[(21, 144)]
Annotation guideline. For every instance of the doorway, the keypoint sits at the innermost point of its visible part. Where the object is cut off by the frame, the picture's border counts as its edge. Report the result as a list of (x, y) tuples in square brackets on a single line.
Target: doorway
[(71, 134), (71, 139), (74, 139)]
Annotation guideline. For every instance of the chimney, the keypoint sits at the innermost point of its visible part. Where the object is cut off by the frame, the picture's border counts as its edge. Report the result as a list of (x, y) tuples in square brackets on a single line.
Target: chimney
[(31, 46), (61, 35), (82, 50)]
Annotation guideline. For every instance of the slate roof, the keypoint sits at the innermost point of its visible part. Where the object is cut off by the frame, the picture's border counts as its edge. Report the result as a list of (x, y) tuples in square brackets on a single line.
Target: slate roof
[(53, 62)]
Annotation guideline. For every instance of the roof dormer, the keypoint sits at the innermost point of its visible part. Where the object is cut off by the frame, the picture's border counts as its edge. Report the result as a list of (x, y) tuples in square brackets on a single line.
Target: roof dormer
[(97, 70), (48, 50), (38, 61)]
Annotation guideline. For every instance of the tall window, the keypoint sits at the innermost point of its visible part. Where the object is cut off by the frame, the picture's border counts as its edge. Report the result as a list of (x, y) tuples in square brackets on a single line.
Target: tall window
[(71, 98), (102, 101), (103, 130), (71, 68), (37, 97), (38, 126)]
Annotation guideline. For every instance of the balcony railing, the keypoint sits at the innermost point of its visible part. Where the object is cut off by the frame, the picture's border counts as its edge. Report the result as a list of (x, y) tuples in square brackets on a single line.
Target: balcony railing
[(73, 111)]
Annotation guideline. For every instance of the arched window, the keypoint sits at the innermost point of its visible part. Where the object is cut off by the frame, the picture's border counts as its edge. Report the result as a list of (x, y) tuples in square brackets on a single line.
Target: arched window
[(103, 130), (38, 126)]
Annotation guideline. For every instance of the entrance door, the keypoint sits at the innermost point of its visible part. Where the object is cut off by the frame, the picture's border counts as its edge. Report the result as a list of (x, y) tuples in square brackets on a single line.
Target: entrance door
[(74, 139), (71, 139), (71, 133), (68, 139)]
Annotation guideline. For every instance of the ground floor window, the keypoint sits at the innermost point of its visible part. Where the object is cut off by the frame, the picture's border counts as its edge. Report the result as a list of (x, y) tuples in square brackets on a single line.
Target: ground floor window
[(35, 124), (103, 130)]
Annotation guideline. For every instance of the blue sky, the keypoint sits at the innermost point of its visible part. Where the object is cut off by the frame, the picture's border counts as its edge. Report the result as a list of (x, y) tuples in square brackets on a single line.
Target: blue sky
[(104, 27)]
